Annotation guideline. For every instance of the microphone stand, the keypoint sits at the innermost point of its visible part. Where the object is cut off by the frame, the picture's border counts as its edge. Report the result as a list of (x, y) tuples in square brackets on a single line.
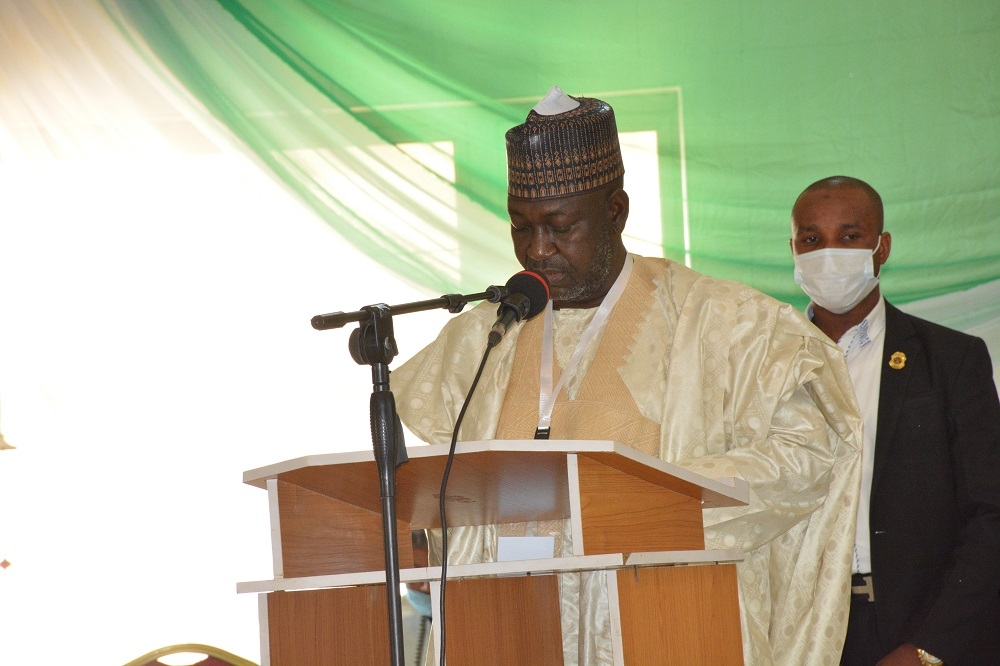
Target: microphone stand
[(373, 343)]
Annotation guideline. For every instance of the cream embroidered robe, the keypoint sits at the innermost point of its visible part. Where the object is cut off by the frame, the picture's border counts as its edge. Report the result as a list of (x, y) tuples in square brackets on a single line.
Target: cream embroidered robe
[(707, 374)]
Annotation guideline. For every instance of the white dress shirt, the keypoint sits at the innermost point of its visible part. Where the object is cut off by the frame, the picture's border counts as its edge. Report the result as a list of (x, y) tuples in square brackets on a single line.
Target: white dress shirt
[(862, 347)]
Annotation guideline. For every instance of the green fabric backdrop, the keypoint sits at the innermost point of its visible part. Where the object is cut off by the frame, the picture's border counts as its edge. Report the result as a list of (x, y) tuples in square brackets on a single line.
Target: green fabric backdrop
[(762, 99)]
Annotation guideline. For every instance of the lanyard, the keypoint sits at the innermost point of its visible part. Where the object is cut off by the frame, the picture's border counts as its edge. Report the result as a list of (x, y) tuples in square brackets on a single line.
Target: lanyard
[(547, 394)]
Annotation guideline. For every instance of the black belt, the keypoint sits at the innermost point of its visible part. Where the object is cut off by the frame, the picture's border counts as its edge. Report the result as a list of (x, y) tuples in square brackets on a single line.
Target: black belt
[(862, 588)]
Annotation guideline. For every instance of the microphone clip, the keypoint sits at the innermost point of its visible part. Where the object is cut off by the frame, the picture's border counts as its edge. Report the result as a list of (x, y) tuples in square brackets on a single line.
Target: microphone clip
[(512, 309)]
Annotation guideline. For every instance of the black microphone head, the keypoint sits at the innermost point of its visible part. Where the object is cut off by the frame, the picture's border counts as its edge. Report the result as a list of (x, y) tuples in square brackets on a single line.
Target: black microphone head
[(533, 285)]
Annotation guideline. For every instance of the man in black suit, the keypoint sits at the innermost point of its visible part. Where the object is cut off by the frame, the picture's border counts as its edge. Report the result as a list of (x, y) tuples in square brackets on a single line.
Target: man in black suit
[(926, 584)]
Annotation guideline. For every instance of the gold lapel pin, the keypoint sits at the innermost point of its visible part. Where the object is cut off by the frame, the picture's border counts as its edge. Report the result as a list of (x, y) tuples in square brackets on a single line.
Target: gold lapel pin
[(897, 361)]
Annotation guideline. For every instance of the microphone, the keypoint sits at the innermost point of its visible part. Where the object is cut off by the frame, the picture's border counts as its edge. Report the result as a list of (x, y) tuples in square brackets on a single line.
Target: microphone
[(527, 295)]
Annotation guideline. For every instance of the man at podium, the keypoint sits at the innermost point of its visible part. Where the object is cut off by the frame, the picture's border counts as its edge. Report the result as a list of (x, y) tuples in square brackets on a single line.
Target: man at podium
[(703, 373)]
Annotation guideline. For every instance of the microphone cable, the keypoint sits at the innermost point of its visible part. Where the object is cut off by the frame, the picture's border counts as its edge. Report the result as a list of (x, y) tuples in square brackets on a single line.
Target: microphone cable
[(442, 497), (527, 295)]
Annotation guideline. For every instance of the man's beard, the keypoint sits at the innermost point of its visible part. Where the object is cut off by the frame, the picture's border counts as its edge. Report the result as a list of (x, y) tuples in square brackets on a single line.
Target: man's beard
[(593, 280)]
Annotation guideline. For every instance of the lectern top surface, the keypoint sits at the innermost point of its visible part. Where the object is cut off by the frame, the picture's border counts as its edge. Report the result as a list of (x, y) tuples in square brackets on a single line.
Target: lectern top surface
[(511, 468)]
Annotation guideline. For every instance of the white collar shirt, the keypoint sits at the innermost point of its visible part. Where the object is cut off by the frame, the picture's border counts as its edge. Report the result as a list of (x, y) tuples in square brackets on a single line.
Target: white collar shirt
[(862, 347)]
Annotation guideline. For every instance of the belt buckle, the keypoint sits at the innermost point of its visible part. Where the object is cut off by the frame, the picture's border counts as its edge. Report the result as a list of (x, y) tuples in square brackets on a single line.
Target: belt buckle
[(867, 588)]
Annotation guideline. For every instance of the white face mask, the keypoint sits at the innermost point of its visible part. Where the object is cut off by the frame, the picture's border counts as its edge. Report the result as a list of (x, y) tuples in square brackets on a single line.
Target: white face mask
[(837, 279)]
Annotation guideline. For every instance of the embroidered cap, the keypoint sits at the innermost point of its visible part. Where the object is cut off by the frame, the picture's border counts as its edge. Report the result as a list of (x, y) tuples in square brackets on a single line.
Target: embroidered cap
[(566, 146)]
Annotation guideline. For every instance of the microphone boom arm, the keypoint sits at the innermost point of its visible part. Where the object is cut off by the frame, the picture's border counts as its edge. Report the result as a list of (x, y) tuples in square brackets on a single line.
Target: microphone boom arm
[(454, 303)]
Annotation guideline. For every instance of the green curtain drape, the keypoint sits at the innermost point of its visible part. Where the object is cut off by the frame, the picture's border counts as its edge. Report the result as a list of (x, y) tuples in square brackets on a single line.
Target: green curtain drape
[(750, 103)]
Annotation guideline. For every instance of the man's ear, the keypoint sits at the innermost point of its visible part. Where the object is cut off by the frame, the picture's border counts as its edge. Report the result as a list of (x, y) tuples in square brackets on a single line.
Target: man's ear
[(884, 248), (618, 206)]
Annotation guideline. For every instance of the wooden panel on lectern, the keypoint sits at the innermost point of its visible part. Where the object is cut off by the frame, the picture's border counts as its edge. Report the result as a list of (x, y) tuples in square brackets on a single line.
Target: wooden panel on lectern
[(680, 616), (320, 535), (346, 625), (353, 483), (623, 514), (489, 487), (484, 488), (502, 621), (645, 472)]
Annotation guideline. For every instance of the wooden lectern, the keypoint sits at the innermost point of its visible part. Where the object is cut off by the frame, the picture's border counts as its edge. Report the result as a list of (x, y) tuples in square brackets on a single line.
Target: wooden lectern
[(634, 518)]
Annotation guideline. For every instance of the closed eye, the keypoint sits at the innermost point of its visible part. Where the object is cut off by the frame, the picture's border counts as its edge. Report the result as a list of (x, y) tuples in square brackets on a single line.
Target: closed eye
[(552, 229)]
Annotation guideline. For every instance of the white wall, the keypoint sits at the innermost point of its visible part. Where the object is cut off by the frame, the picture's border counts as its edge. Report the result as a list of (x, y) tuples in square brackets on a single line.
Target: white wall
[(154, 344)]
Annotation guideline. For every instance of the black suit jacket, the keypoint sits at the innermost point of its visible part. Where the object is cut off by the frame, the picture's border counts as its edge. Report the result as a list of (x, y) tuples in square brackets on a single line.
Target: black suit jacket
[(935, 498)]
